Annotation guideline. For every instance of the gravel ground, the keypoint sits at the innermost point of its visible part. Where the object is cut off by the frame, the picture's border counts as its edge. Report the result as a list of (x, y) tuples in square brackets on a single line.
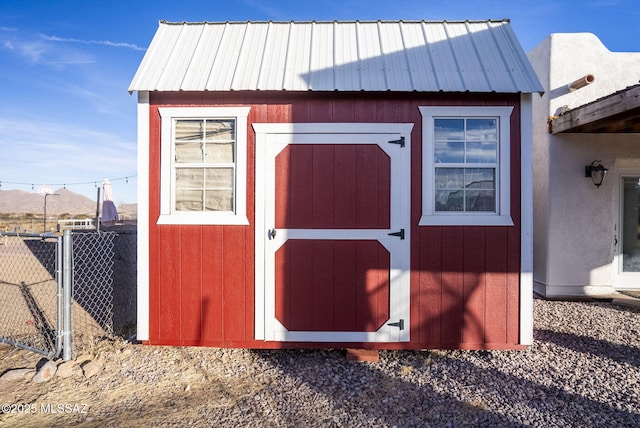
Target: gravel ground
[(582, 371)]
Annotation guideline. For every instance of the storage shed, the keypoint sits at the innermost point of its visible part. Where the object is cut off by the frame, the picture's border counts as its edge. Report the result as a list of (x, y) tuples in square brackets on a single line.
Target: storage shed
[(335, 184)]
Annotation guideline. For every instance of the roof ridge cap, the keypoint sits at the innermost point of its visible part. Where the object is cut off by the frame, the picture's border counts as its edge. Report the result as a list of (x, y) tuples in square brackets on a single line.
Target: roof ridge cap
[(338, 21)]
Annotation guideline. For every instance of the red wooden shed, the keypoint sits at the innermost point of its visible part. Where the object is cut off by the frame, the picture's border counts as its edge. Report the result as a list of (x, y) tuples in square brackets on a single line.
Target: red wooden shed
[(335, 184)]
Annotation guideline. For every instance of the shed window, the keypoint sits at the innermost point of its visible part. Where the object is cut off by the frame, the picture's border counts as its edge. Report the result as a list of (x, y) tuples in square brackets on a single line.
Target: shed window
[(203, 165), (466, 166)]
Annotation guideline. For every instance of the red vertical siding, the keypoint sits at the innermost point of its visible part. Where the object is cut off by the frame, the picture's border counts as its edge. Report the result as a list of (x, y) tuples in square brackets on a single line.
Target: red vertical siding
[(496, 285), (464, 281), (212, 284), (156, 288), (191, 248), (236, 280), (473, 288), (452, 285), (169, 305), (426, 289)]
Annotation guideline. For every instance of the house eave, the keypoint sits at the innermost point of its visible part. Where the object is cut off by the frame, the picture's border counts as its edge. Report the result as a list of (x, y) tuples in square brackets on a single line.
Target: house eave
[(616, 113)]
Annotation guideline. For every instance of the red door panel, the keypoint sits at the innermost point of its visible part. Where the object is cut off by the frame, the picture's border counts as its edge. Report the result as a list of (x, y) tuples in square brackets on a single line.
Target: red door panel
[(332, 285), (325, 186)]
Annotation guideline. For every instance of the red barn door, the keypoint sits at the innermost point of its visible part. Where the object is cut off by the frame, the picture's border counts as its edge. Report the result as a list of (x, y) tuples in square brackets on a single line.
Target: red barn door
[(332, 232)]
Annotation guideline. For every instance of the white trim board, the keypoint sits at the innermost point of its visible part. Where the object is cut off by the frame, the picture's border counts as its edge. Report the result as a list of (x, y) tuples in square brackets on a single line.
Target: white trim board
[(142, 329)]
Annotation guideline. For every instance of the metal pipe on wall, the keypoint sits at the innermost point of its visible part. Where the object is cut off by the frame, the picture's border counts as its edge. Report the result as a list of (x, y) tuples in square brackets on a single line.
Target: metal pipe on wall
[(582, 82)]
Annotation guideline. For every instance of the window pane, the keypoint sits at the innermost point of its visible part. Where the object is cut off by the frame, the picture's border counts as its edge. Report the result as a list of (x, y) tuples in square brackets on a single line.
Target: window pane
[(189, 130), (480, 185), (220, 130), (480, 200), (465, 189), (209, 189), (218, 178), (189, 193), (449, 152), (188, 152), (449, 129), (189, 178), (219, 200), (485, 152), (220, 152), (449, 193), (447, 200), (449, 178), (210, 143), (482, 129), (479, 178), (188, 200)]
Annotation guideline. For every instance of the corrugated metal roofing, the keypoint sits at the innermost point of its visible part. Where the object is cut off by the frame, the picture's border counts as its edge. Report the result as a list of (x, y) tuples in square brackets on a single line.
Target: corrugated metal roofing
[(426, 56)]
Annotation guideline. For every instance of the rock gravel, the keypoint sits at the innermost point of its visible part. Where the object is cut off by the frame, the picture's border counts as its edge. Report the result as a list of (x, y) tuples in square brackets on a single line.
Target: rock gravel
[(583, 370)]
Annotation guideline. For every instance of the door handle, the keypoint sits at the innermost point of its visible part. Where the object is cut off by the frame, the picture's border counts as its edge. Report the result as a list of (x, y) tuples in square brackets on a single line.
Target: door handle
[(271, 233)]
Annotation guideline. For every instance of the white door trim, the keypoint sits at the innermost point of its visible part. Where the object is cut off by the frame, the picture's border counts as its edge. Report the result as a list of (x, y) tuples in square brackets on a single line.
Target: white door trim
[(270, 140), (622, 280)]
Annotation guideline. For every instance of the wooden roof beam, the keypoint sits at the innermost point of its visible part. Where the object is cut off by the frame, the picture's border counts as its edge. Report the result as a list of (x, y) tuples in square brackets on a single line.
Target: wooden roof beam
[(596, 115)]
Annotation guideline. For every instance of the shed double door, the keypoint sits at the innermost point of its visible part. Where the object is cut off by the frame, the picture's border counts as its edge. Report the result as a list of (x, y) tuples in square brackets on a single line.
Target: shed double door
[(332, 232)]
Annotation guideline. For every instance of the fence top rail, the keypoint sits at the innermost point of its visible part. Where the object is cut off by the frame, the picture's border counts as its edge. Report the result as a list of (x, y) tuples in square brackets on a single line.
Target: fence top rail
[(29, 235)]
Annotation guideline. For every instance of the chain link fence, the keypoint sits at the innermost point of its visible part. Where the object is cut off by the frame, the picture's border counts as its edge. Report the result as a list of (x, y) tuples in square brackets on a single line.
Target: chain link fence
[(100, 269), (92, 310), (29, 292)]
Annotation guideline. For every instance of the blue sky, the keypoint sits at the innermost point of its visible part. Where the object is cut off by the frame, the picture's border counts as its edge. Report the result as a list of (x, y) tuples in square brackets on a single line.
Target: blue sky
[(66, 118)]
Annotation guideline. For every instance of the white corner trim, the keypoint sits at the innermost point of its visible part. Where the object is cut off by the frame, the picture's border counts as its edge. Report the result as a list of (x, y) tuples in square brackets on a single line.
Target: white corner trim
[(526, 220), (142, 329)]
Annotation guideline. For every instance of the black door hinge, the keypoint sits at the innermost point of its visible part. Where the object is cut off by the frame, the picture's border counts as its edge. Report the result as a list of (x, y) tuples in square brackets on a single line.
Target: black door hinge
[(398, 234), (399, 324), (400, 142)]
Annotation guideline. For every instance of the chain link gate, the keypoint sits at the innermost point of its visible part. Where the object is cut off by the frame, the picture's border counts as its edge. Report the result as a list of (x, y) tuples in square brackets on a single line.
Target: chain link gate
[(30, 295), (92, 311), (56, 293)]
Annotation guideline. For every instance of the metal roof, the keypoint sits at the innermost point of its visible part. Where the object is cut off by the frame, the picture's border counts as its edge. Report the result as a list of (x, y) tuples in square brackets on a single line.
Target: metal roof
[(426, 56)]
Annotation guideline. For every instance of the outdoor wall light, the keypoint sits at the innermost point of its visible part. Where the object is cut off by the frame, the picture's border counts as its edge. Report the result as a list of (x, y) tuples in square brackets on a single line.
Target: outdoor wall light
[(596, 171)]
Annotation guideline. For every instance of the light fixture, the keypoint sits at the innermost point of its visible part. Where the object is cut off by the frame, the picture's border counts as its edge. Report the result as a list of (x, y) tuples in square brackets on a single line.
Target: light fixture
[(596, 171)]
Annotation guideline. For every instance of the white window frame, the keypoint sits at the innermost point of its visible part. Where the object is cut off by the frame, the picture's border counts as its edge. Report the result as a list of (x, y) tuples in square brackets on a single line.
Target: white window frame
[(168, 214), (502, 216)]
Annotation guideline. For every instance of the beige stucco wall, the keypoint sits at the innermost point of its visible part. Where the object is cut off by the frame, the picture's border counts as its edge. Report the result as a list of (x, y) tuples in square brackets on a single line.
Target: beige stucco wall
[(575, 223)]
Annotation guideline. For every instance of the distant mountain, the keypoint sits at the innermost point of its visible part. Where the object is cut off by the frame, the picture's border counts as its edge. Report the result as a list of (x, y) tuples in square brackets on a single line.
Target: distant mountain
[(64, 201)]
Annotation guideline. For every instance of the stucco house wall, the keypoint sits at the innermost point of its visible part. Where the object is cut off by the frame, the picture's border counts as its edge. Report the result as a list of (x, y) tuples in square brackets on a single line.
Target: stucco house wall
[(575, 222)]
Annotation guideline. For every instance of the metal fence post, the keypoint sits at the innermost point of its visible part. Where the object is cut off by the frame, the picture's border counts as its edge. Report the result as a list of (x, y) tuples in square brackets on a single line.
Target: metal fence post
[(67, 332), (59, 280)]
